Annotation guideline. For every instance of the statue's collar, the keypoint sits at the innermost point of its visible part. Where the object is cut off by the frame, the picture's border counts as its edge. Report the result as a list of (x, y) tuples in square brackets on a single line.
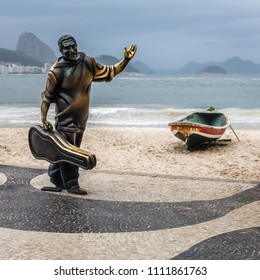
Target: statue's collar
[(65, 63)]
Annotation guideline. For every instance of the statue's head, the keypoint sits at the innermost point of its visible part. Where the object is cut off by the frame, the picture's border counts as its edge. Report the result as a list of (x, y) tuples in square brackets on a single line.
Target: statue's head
[(68, 47)]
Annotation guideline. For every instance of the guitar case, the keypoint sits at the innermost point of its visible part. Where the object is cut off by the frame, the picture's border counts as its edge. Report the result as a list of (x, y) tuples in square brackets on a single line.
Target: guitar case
[(53, 147)]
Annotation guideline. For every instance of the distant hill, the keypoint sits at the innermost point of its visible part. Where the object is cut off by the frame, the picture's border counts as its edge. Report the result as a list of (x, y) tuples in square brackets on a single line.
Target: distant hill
[(18, 57), (30, 45), (110, 60), (143, 68), (234, 65), (239, 66), (191, 68), (212, 69)]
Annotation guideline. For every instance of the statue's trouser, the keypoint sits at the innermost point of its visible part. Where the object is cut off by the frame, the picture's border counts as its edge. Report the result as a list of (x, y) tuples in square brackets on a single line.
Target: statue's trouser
[(63, 174)]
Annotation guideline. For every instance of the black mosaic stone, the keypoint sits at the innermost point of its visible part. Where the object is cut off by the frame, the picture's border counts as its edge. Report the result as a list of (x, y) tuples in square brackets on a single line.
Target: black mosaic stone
[(26, 208), (241, 244)]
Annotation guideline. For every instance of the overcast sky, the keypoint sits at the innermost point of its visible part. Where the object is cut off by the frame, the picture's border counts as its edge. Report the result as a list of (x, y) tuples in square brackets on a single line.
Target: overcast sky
[(168, 33)]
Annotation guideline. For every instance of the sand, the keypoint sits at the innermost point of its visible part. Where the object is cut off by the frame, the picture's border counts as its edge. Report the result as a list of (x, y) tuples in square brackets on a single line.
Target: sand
[(150, 151)]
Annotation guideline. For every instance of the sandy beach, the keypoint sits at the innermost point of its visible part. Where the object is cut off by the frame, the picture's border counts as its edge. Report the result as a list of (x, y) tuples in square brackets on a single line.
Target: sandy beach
[(151, 151), (148, 198)]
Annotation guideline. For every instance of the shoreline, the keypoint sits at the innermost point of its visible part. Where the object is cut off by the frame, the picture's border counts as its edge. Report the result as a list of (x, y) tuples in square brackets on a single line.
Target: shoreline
[(150, 150), (242, 127)]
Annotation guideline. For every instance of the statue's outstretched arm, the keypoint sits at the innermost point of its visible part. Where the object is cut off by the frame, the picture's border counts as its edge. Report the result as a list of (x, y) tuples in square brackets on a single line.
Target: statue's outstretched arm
[(128, 55)]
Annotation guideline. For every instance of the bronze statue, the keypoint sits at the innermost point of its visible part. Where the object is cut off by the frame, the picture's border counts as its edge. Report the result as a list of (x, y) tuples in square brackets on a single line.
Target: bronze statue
[(68, 86)]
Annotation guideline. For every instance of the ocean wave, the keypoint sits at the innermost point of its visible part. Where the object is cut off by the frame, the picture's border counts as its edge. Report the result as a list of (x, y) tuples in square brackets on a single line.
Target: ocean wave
[(26, 115), (162, 116), (125, 116)]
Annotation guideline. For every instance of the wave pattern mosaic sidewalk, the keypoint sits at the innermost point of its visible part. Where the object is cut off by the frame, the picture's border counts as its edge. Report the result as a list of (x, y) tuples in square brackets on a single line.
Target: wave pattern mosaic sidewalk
[(128, 216)]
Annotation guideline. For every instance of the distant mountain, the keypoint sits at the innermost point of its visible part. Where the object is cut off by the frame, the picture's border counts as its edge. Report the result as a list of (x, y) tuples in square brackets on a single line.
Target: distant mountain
[(238, 66), (192, 68), (212, 69), (110, 60), (106, 59), (234, 65), (9, 56), (30, 45), (143, 68)]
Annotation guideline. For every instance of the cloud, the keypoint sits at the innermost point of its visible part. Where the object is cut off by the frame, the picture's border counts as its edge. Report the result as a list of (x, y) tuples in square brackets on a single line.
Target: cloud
[(169, 33)]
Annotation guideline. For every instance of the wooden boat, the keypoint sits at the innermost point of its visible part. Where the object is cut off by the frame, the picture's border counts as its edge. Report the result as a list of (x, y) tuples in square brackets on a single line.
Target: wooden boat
[(200, 127)]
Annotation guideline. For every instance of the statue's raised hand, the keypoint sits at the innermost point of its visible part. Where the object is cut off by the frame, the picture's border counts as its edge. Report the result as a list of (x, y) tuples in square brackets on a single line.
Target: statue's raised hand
[(129, 53)]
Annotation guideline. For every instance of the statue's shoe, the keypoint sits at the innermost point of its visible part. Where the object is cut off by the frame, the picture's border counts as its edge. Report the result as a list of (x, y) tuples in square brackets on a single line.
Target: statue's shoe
[(77, 190)]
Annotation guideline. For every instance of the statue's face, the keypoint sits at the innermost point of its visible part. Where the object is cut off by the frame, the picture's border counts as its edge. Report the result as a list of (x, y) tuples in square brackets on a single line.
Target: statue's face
[(69, 50)]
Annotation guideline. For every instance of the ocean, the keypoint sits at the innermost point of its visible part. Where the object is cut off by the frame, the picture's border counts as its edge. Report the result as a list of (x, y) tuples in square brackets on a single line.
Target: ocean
[(140, 100)]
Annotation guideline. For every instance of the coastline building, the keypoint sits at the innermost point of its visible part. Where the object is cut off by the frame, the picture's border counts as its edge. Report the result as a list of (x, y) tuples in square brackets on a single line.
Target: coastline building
[(13, 68), (3, 69)]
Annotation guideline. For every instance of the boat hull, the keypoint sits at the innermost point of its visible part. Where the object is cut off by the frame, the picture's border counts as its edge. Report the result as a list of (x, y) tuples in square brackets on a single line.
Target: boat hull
[(199, 128)]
